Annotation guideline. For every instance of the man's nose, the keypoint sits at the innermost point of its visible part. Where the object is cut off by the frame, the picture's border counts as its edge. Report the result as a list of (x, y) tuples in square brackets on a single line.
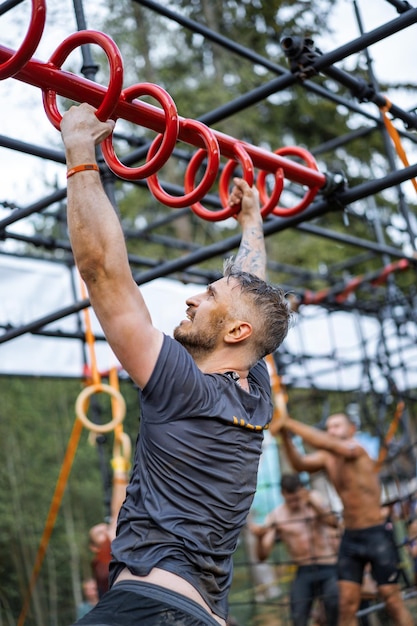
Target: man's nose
[(194, 300)]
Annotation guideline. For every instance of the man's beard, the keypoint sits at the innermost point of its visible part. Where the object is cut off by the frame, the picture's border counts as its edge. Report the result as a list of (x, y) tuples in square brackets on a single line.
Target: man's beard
[(200, 342), (196, 344)]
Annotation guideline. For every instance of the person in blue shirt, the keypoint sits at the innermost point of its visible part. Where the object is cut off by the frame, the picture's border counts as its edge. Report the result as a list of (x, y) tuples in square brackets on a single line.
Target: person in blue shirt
[(90, 597), (205, 400)]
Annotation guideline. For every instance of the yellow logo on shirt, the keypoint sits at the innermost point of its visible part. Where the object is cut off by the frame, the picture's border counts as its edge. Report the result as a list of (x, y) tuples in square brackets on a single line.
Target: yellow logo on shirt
[(243, 424)]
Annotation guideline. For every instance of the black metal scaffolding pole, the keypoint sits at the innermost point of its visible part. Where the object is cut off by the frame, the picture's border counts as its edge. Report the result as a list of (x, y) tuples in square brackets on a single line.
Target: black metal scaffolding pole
[(271, 226)]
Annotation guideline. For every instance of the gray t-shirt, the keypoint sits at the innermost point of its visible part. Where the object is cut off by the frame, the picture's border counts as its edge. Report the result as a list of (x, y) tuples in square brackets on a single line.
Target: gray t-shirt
[(194, 473)]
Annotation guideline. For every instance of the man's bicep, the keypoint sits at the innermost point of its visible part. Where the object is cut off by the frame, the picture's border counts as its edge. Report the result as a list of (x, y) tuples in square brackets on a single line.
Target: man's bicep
[(127, 325), (313, 462)]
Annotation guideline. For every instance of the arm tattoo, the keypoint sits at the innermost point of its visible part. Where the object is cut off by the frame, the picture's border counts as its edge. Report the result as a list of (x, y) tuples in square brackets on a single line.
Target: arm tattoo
[(251, 256)]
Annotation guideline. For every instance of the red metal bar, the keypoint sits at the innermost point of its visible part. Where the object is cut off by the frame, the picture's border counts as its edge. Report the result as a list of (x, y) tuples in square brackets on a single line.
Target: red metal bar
[(340, 294), (112, 102), (165, 144), (46, 77)]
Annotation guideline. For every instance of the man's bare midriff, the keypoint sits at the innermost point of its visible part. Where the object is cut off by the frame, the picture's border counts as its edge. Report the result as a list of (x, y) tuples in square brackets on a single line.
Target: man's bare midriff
[(175, 583)]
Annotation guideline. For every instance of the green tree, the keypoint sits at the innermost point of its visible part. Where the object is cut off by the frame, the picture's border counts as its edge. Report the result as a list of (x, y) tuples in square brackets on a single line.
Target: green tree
[(36, 420)]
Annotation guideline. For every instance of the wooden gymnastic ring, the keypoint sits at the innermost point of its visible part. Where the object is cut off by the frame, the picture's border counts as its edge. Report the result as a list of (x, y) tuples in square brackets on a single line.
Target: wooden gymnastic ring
[(82, 402)]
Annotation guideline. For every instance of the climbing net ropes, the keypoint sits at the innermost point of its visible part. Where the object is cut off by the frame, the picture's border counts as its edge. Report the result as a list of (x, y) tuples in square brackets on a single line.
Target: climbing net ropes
[(330, 145), (337, 194)]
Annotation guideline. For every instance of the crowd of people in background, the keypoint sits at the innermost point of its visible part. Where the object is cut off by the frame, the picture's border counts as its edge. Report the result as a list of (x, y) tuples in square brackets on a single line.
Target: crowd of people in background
[(342, 559), (368, 561)]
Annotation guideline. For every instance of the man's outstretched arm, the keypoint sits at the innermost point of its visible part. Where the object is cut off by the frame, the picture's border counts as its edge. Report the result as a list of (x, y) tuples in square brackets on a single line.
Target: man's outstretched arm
[(100, 253), (313, 462), (251, 256), (323, 440)]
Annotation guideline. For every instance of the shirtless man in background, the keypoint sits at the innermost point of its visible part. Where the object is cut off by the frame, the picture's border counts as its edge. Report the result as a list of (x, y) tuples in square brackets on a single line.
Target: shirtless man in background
[(303, 523), (366, 538)]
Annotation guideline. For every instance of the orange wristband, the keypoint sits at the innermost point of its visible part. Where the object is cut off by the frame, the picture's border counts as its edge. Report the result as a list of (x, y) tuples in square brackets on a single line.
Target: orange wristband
[(85, 167)]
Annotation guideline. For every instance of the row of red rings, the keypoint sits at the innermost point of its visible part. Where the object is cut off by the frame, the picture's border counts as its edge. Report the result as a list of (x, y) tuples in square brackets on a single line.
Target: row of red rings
[(163, 145)]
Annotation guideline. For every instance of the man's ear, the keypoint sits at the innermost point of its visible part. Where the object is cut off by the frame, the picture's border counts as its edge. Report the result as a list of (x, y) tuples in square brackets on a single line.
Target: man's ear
[(238, 331)]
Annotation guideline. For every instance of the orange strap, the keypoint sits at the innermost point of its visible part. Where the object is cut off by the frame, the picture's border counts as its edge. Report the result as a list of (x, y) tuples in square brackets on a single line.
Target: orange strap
[(114, 382), (279, 397), (390, 434), (52, 515), (89, 337), (393, 133)]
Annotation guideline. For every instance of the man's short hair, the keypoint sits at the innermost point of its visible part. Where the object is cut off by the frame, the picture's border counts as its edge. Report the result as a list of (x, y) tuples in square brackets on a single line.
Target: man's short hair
[(272, 314), (290, 483)]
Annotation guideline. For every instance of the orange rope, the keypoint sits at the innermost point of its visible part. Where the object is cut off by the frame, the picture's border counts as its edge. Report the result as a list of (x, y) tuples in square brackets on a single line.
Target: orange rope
[(52, 515), (122, 447), (89, 337), (279, 397), (390, 434), (393, 133), (114, 382)]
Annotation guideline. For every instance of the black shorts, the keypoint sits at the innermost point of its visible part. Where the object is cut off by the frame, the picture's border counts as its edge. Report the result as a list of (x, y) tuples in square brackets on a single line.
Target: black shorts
[(131, 602), (374, 545)]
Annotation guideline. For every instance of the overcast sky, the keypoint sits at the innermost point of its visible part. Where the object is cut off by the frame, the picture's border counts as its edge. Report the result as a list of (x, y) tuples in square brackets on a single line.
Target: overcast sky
[(22, 116)]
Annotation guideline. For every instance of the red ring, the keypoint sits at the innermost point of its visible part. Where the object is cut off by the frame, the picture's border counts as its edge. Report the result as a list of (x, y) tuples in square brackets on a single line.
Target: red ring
[(312, 191), (114, 89), (227, 211), (228, 170), (213, 161), (30, 43), (169, 138), (197, 207), (269, 203)]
